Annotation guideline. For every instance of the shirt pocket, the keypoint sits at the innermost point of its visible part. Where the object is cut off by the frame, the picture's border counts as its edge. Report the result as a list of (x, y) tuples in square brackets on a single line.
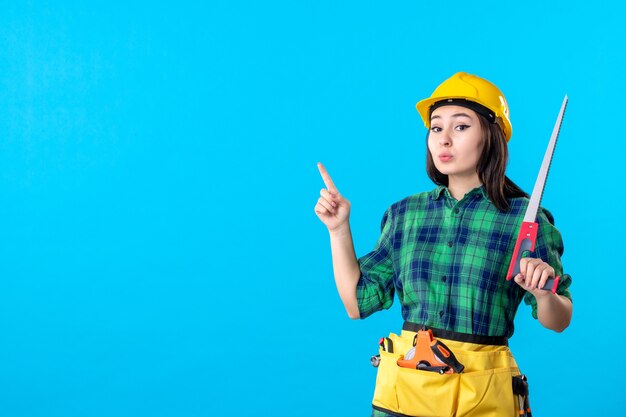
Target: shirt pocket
[(486, 259)]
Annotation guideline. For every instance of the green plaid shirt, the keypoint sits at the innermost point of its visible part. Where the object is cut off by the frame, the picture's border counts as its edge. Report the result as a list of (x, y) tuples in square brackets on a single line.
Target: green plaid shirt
[(447, 261)]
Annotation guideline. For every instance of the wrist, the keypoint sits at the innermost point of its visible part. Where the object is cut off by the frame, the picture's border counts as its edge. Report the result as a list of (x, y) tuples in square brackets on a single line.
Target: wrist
[(341, 230)]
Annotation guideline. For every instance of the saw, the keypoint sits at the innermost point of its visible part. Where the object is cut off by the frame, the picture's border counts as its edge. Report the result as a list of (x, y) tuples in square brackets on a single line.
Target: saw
[(528, 231)]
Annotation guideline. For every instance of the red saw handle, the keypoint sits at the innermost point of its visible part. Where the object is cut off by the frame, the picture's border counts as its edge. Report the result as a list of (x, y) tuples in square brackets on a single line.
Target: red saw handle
[(526, 242)]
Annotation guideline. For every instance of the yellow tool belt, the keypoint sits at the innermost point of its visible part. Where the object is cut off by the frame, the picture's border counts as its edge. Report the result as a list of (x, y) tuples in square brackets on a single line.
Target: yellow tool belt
[(483, 389)]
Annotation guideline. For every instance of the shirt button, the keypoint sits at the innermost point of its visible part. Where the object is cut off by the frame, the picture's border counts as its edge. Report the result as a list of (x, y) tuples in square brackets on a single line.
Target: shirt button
[(443, 278), (456, 210), (441, 314), (450, 243)]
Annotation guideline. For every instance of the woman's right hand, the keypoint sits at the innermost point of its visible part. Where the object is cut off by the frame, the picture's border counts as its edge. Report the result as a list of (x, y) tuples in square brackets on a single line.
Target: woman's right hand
[(331, 208)]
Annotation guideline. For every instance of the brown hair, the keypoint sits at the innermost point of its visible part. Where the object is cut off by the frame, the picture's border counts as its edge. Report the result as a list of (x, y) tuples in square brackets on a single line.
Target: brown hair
[(491, 166)]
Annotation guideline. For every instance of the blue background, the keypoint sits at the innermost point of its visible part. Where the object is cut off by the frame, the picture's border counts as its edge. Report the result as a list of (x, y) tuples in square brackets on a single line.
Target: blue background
[(159, 252)]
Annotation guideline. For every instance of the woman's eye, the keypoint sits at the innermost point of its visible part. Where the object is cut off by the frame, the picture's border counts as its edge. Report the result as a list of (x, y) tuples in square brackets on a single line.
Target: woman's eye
[(435, 129), (462, 127)]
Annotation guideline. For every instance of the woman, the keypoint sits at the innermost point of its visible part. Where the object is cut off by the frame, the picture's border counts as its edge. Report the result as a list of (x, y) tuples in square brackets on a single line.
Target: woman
[(445, 254)]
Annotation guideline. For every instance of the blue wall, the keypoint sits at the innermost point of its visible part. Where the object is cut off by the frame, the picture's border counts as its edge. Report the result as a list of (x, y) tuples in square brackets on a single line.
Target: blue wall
[(159, 252)]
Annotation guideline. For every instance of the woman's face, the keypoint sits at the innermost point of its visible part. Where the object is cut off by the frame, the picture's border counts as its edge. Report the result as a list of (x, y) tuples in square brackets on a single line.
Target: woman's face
[(455, 141)]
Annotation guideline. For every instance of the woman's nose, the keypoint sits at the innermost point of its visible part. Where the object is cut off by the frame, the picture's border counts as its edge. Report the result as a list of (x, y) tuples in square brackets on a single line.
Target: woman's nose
[(444, 139)]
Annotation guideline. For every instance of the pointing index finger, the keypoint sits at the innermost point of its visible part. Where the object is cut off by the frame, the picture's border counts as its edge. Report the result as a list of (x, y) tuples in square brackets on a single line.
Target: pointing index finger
[(327, 180)]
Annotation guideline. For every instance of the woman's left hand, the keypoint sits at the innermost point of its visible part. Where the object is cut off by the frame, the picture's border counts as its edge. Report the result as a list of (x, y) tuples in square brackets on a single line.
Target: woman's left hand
[(533, 275)]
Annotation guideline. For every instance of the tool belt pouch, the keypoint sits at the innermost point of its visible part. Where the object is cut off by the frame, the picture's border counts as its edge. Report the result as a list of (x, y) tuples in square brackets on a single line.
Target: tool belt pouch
[(483, 389)]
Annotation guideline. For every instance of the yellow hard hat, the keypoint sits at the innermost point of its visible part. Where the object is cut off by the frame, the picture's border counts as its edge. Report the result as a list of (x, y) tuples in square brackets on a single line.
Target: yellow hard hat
[(465, 89)]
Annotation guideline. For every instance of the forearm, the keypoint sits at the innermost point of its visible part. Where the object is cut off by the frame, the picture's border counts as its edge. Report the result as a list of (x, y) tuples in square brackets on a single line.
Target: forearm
[(554, 311), (346, 268)]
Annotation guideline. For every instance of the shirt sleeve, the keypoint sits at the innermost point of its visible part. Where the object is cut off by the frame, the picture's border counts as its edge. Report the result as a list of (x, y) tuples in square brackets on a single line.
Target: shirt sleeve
[(375, 289), (549, 248)]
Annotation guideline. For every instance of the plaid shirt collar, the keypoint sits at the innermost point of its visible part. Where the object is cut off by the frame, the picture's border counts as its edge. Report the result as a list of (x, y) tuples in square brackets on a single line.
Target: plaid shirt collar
[(443, 190)]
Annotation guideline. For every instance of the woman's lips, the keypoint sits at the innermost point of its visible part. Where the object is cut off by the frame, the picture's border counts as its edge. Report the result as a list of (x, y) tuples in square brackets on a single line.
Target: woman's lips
[(445, 157)]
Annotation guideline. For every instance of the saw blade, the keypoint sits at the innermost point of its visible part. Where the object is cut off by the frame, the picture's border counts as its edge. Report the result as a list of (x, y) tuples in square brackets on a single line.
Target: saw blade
[(535, 198)]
